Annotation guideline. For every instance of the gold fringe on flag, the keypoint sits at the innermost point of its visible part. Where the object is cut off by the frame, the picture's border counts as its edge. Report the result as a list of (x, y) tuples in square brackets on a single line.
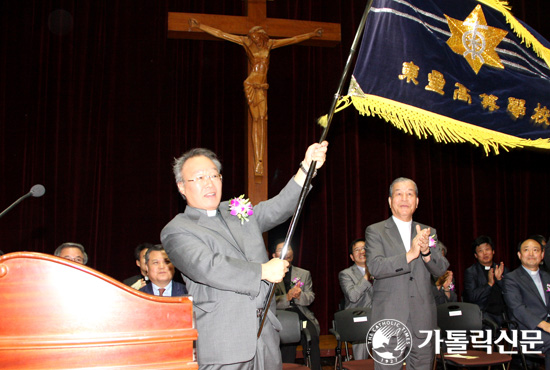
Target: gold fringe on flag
[(424, 123), (526, 36)]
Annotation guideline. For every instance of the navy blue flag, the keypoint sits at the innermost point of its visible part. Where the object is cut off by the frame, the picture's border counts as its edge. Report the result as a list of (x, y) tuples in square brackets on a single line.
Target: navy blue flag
[(457, 70)]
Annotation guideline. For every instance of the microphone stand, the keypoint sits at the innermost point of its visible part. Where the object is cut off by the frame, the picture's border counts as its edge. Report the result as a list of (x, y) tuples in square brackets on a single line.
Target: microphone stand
[(15, 203), (312, 166), (36, 191)]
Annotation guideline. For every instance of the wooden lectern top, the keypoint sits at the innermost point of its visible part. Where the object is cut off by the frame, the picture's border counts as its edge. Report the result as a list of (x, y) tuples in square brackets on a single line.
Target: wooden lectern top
[(57, 314)]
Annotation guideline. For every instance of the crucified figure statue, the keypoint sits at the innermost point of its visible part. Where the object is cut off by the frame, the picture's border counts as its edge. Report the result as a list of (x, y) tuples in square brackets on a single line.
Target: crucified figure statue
[(257, 45)]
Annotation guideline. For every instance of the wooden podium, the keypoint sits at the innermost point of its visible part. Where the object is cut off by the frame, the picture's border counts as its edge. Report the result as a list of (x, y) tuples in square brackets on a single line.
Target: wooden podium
[(57, 314)]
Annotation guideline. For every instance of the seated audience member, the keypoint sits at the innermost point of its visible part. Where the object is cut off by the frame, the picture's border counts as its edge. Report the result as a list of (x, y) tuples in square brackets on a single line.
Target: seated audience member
[(545, 264), (540, 239), (483, 281), (444, 286), (295, 294), (161, 272), (139, 281), (72, 251), (527, 296), (356, 284)]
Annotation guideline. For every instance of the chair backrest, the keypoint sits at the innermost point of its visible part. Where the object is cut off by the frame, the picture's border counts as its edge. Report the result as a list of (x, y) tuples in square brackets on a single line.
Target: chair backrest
[(290, 321), (353, 324), (459, 316)]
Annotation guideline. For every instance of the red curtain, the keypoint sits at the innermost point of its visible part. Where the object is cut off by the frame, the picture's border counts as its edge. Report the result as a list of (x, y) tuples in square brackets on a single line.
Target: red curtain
[(96, 101)]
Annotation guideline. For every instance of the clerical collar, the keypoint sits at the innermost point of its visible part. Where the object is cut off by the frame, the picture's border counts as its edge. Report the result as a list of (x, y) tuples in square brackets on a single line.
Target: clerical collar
[(531, 272), (208, 212), (399, 222), (404, 228)]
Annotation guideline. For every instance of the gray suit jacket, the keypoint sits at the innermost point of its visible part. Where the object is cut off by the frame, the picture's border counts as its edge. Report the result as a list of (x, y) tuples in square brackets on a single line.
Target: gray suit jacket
[(357, 290), (524, 303), (306, 297), (222, 272), (402, 291)]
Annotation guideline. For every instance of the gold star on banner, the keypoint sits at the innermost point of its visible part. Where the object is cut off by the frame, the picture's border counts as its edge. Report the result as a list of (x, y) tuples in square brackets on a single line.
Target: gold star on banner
[(475, 40)]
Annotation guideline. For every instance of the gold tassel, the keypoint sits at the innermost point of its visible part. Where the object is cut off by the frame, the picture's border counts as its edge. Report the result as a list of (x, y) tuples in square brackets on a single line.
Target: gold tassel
[(526, 36), (424, 123), (341, 104)]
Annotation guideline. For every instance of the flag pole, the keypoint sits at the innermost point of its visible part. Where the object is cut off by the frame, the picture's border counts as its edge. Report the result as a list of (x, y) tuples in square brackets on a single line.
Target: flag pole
[(309, 177)]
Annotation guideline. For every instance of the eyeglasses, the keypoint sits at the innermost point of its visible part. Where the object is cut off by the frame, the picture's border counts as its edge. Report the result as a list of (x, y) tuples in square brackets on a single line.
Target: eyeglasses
[(202, 179), (74, 259)]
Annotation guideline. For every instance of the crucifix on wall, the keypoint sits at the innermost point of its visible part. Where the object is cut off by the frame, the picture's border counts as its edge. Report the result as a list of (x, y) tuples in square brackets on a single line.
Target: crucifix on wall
[(258, 35), (258, 47)]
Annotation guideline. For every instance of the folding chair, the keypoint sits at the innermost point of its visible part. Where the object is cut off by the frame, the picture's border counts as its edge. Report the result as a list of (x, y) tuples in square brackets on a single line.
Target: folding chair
[(292, 333), (465, 317), (351, 325)]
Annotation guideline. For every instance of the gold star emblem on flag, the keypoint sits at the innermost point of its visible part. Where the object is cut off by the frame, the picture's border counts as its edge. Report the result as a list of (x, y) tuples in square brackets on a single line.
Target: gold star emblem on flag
[(475, 40)]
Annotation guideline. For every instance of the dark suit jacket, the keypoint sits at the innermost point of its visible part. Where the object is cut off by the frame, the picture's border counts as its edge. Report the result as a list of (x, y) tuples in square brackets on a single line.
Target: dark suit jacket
[(524, 303), (476, 289), (440, 296), (402, 291), (131, 280), (178, 289), (222, 271)]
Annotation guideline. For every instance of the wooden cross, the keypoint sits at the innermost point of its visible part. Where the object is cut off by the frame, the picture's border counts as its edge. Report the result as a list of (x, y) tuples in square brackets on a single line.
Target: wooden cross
[(179, 28)]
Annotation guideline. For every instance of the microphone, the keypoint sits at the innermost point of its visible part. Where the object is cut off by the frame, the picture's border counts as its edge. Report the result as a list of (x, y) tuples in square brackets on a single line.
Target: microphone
[(36, 191)]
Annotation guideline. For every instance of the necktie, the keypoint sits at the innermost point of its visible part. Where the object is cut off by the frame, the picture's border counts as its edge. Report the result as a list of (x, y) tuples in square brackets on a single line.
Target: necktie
[(161, 291)]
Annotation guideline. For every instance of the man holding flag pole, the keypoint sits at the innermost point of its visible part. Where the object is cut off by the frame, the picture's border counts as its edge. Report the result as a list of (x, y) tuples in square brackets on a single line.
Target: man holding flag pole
[(219, 248)]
